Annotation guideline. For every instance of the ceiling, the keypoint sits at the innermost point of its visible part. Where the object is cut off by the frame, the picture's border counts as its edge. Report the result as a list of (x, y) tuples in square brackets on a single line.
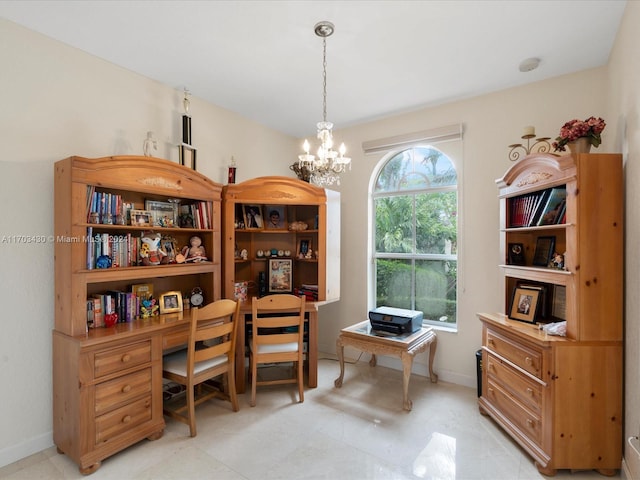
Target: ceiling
[(262, 59)]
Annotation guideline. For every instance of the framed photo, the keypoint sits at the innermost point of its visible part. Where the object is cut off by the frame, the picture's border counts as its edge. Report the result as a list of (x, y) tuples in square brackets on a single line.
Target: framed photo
[(304, 247), (559, 303), (515, 254), (253, 217), (280, 275), (188, 156), (171, 302), (276, 217), (544, 251), (140, 218), (524, 304), (163, 214)]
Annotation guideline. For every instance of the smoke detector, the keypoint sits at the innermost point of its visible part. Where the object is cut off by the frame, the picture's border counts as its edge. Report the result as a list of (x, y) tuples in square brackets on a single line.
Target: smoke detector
[(529, 64)]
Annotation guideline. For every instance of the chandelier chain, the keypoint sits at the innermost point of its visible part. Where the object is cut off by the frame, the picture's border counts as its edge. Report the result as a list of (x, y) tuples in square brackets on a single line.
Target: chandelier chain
[(324, 79)]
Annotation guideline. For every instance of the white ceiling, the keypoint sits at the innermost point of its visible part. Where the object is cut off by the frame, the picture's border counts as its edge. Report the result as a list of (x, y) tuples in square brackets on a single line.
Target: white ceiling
[(262, 59)]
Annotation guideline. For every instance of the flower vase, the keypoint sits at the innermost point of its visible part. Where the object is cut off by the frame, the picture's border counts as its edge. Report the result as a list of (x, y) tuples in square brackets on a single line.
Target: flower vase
[(580, 145)]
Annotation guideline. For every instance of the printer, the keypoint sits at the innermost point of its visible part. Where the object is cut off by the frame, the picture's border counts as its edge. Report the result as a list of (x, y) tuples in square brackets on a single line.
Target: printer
[(395, 320)]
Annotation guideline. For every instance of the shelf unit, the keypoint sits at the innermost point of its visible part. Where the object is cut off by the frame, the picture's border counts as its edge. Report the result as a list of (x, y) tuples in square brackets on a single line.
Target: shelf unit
[(317, 207), (107, 382), (560, 397)]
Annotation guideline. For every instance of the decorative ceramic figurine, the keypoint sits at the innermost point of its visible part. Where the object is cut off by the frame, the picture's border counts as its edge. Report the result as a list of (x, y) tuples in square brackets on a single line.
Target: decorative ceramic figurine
[(150, 252), (195, 252)]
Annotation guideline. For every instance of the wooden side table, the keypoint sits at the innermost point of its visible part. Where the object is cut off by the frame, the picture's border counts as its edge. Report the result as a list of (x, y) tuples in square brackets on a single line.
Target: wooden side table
[(405, 346)]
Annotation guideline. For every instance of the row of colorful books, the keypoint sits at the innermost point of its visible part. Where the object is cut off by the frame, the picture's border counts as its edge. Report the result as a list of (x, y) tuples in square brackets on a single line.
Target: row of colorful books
[(310, 292), (127, 305), (106, 207), (546, 207), (122, 250), (199, 214)]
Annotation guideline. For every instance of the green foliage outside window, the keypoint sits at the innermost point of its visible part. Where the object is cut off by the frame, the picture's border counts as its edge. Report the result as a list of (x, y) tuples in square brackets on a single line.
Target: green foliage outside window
[(416, 234)]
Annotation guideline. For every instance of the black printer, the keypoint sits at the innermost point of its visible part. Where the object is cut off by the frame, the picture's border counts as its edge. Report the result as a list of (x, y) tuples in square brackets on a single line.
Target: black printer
[(395, 320)]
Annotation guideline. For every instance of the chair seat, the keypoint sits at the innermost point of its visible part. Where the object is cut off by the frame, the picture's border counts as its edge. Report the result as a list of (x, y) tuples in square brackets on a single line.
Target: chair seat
[(278, 348), (176, 363)]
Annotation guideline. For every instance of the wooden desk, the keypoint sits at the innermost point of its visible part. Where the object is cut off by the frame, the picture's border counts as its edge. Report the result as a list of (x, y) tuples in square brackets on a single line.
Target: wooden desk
[(406, 347)]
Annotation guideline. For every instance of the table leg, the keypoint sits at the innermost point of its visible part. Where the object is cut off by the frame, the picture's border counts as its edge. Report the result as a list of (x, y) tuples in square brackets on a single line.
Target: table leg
[(373, 361), (407, 362), (312, 349), (340, 352), (432, 354)]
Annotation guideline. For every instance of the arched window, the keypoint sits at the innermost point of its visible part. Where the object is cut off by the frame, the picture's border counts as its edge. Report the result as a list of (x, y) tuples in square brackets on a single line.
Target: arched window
[(415, 233)]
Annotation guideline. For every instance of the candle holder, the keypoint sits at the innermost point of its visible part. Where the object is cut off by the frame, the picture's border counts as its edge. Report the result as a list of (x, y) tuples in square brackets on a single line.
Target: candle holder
[(541, 145)]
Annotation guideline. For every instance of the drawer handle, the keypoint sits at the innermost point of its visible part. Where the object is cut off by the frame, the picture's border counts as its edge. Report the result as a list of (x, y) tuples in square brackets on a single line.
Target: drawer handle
[(126, 389), (530, 391), (529, 423), (125, 358), (491, 391), (528, 361), (126, 419), (491, 342)]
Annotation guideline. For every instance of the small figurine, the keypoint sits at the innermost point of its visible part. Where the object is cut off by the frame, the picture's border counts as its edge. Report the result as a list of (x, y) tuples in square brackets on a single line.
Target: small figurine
[(149, 143), (244, 254), (195, 252), (150, 251), (149, 308), (557, 261)]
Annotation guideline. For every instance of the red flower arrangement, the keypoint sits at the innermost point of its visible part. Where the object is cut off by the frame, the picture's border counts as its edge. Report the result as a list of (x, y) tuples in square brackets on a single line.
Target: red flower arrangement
[(591, 129)]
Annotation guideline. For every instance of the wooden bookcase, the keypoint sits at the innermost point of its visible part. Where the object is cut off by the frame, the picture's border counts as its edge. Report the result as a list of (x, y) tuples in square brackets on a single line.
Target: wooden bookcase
[(560, 397), (300, 201), (107, 382)]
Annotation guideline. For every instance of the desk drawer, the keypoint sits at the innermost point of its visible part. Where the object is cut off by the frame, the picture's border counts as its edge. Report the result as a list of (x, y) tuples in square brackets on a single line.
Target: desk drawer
[(527, 422), (117, 359), (526, 390), (123, 419), (121, 390), (524, 357)]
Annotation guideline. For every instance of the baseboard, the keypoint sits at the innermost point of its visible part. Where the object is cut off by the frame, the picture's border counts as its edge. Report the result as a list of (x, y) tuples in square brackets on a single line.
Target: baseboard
[(33, 445)]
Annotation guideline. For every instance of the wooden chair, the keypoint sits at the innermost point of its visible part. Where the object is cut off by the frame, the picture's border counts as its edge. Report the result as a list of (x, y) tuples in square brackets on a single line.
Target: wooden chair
[(209, 353), (277, 334)]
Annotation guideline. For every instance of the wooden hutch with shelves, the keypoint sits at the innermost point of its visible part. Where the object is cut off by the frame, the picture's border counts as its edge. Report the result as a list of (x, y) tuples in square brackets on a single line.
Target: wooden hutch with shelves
[(107, 382), (317, 267), (560, 397)]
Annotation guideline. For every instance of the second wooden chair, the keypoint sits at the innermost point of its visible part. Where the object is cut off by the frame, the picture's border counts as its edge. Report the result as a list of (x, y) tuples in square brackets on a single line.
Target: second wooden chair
[(277, 337)]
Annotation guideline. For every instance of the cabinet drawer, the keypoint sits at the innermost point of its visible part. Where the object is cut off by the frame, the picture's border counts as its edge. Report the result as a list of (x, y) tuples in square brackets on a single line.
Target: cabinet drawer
[(526, 390), (123, 419), (175, 339), (117, 359), (121, 390), (524, 357), (527, 422)]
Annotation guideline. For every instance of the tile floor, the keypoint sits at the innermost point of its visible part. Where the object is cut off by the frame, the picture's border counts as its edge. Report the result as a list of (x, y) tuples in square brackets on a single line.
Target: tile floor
[(356, 432)]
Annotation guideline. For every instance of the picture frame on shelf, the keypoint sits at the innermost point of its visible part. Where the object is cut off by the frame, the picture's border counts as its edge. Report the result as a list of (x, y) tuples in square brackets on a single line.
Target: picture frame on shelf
[(559, 302), (304, 247), (515, 254), (188, 156), (163, 214), (253, 219), (276, 217), (280, 275), (140, 218), (545, 247), (524, 304), (171, 302)]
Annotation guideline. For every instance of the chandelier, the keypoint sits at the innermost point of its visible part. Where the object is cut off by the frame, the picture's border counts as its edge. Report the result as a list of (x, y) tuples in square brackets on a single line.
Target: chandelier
[(325, 167)]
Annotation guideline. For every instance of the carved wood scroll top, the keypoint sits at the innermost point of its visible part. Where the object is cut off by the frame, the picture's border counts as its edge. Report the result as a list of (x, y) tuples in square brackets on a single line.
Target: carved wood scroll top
[(533, 178)]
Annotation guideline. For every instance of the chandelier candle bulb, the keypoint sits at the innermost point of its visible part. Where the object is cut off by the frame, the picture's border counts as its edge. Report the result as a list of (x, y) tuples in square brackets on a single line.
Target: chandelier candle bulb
[(529, 131)]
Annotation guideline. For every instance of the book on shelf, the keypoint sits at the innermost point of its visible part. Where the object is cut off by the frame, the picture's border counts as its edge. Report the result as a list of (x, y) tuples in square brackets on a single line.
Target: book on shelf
[(555, 202)]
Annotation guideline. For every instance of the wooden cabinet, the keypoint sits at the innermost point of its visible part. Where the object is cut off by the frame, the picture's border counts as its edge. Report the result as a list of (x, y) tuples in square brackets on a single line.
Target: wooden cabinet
[(107, 382), (560, 397), (300, 203)]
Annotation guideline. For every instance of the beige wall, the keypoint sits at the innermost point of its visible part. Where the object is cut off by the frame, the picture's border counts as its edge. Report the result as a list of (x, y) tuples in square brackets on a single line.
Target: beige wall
[(623, 88), (58, 101)]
